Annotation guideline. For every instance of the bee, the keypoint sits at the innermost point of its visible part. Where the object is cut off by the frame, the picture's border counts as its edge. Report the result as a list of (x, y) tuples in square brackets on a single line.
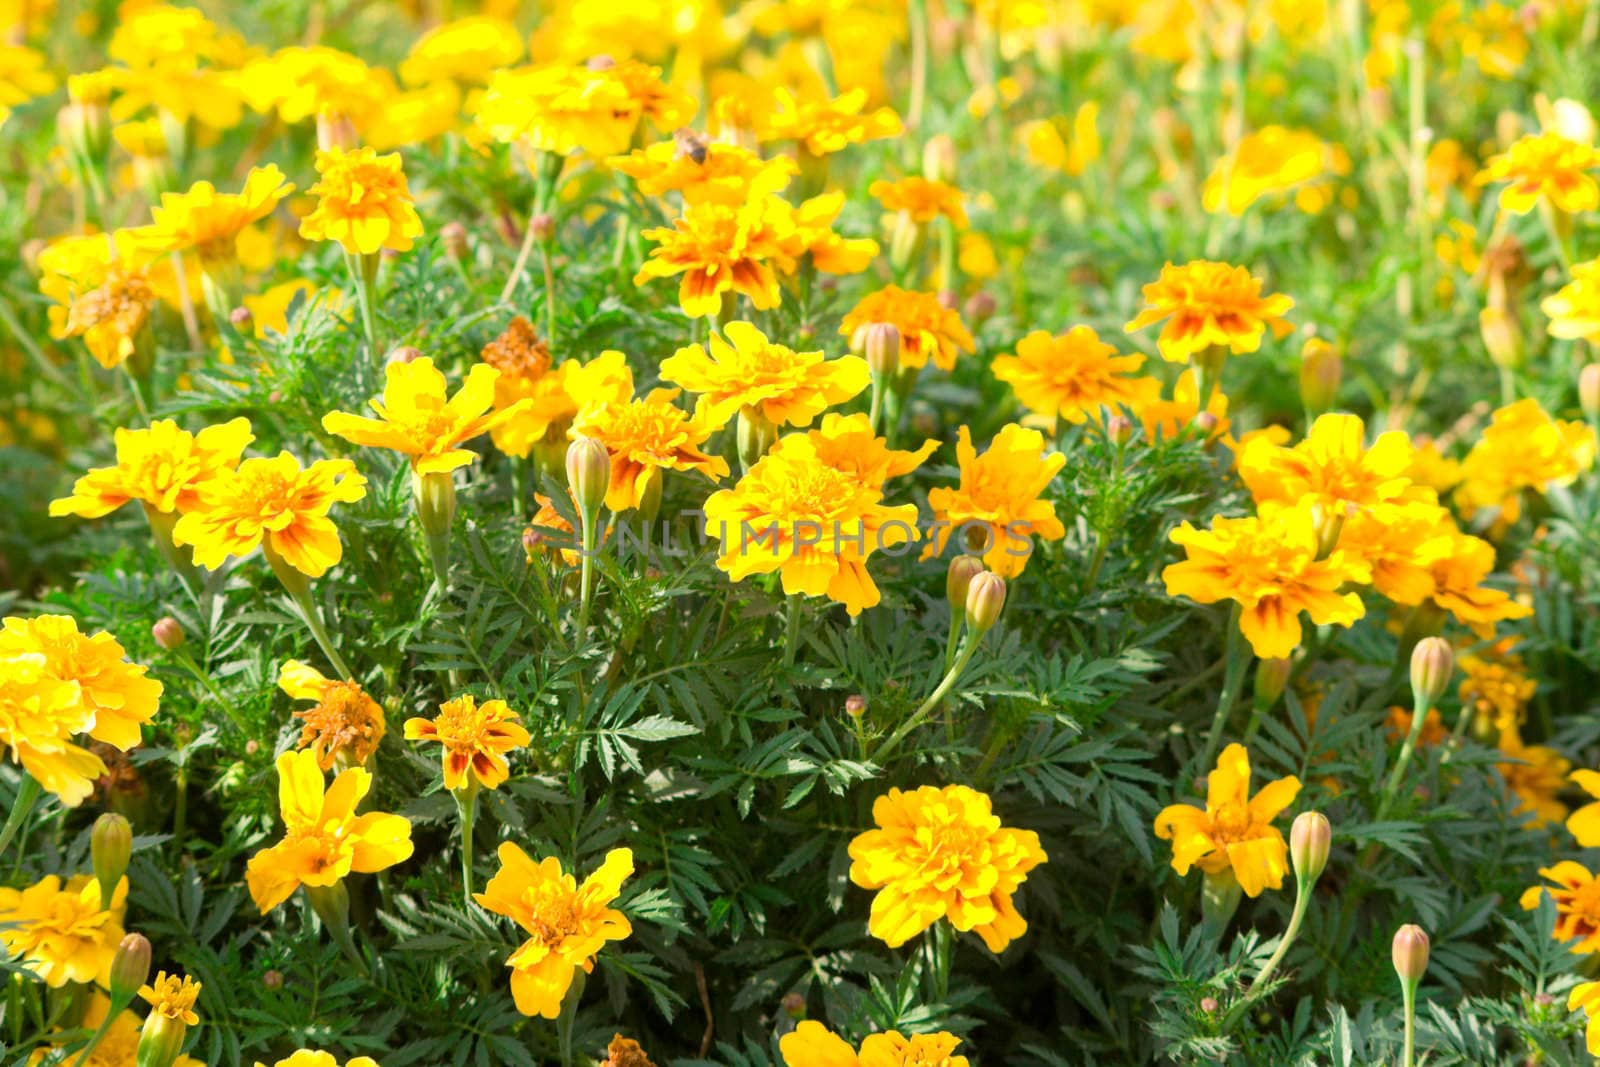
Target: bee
[(690, 144)]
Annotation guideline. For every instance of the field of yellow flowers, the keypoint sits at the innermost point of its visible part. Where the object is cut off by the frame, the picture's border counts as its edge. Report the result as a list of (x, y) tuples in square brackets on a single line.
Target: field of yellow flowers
[(829, 533)]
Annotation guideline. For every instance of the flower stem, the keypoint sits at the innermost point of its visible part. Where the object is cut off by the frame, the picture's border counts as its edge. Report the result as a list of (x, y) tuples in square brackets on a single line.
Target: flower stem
[(528, 241), (1237, 660), (28, 792), (791, 635), (98, 1036), (188, 661), (916, 718), (1408, 994), (1302, 900), (299, 590), (364, 296), (549, 295), (467, 805), (1418, 714), (586, 575)]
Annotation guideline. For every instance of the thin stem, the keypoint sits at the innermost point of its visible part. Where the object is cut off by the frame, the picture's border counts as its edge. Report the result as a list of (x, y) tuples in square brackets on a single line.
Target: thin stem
[(35, 353), (791, 634), (188, 661), (467, 803), (521, 264), (28, 792), (1237, 660), (1418, 714), (1408, 994), (549, 295), (99, 1035), (884, 750), (308, 611), (1302, 900), (944, 950), (369, 324), (586, 580)]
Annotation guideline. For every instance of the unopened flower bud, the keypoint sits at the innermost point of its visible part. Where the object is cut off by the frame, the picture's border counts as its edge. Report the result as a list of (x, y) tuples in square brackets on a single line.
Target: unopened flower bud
[(272, 979), (600, 61), (1206, 423), (1118, 429), (1432, 665), (453, 235), (1272, 677), (1209, 1005), (110, 847), (543, 226), (980, 308), (84, 127), (1310, 837), (939, 158), (855, 705), (588, 473), (881, 345), (1410, 953), (335, 131), (403, 354), (1321, 371), (1589, 391), (1501, 336), (949, 299), (959, 579), (986, 596), (168, 633), (130, 969), (240, 317), (794, 1005)]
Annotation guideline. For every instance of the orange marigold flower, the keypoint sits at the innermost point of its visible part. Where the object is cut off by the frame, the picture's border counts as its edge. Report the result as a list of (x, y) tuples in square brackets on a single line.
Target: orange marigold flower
[(62, 931), (118, 695), (702, 173), (1577, 899), (928, 329), (1495, 691), (567, 924), (1586, 995), (162, 468), (720, 249), (363, 202), (1397, 724), (476, 738), (812, 1045), (1458, 574), (824, 126), (1406, 545), (343, 727), (626, 1052), (921, 198), (1234, 832), (1168, 418), (209, 222), (847, 444), (1544, 166), (646, 437), (1536, 775), (786, 387), (1205, 303), (1070, 375), (999, 498), (554, 395)]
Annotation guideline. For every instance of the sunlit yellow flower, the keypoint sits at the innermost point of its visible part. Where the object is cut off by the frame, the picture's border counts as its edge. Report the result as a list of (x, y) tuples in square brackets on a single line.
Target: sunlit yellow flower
[(419, 419), (810, 1044), (118, 1047), (1403, 544), (476, 738), (162, 468), (1268, 565), (1205, 303), (723, 250), (119, 696), (1168, 418), (922, 199), (567, 924), (466, 50), (63, 932), (363, 202), (1333, 470), (1495, 37), (298, 83), (343, 726), (1584, 824), (1398, 722), (1273, 160), (645, 437), (1046, 147), (1430, 467), (1458, 575), (652, 100), (1495, 690), (787, 388), (1544, 166), (705, 172), (324, 839), (172, 996), (317, 1058), (1522, 448), (554, 394), (830, 252), (269, 309), (559, 109), (998, 508), (1586, 995), (1071, 375), (1234, 832), (942, 853), (847, 444), (1536, 775), (1576, 895), (1574, 309), (39, 714), (276, 505), (415, 116), (209, 222), (824, 126), (928, 329), (24, 74)]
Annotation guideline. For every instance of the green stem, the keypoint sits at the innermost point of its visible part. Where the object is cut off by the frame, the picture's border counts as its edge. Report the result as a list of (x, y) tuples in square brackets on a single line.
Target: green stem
[(884, 750), (99, 1036), (549, 295), (586, 572), (204, 679), (944, 950), (569, 1016), (26, 342), (791, 634), (1408, 992), (1237, 660), (1302, 900), (299, 590), (369, 323), (28, 792), (1418, 714), (467, 804)]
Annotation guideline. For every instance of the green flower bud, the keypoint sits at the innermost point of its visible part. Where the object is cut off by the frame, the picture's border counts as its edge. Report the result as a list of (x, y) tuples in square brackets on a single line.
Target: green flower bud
[(588, 474), (959, 579), (1410, 952), (986, 596), (1432, 665), (1272, 678), (110, 846), (881, 344), (130, 969), (1310, 838)]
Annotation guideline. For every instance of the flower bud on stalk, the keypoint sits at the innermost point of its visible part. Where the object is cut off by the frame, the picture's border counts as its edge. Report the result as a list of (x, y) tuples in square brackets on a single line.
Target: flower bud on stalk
[(168, 633), (1501, 336), (453, 235), (980, 308), (335, 131), (1321, 371), (110, 848), (588, 474), (855, 705), (172, 1012), (959, 579), (1119, 431), (986, 596), (1272, 678), (435, 494), (1589, 391), (130, 970), (881, 345), (757, 435), (1310, 839), (1433, 663)]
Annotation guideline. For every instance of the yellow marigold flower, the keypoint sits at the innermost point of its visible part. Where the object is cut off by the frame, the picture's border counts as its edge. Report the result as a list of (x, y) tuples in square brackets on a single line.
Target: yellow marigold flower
[(715, 173), (921, 198), (172, 996), (317, 1058), (999, 498), (1535, 775), (830, 253), (1496, 692), (363, 202), (162, 468), (466, 50), (417, 417), (812, 1045), (1544, 166), (559, 109), (209, 222), (1046, 148), (111, 317), (645, 437), (24, 74), (1577, 898), (299, 82), (786, 387), (1430, 467), (275, 505), (269, 309), (928, 329), (554, 394), (1522, 448), (102, 287), (626, 1052), (653, 100), (1070, 375), (1205, 303), (63, 932), (117, 694), (824, 126), (847, 444), (1458, 588), (1403, 544), (1332, 470), (1586, 995), (942, 853), (814, 524), (39, 713), (343, 727), (1268, 565), (1574, 309), (476, 738), (1234, 832), (1273, 160), (567, 924), (119, 1046), (1168, 418), (720, 250), (324, 839), (1584, 824), (415, 117), (1494, 37)]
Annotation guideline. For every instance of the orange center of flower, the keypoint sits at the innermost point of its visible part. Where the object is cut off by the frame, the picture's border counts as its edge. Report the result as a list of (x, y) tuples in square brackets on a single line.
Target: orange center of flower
[(555, 914), (461, 724), (344, 719), (1231, 823)]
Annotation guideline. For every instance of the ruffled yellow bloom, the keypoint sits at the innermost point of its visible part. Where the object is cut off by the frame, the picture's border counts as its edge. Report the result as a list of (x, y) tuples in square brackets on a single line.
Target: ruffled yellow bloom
[(363, 202), (998, 508), (343, 727), (417, 417), (567, 924), (172, 996), (725, 250), (1403, 544), (1536, 775), (921, 199), (559, 109), (1522, 448), (652, 100), (714, 173), (103, 288), (942, 853), (1168, 418), (316, 1058), (787, 388), (645, 437), (1430, 467), (1586, 995), (1544, 166), (824, 126), (324, 839), (39, 714), (1574, 309), (275, 505), (162, 468), (1205, 303), (117, 695), (63, 932), (210, 223), (1577, 898), (812, 1045), (553, 394), (814, 524), (466, 50), (1495, 690), (1458, 575), (1072, 375), (119, 1047), (1273, 161), (24, 74), (298, 83), (111, 317), (1268, 565), (847, 444), (1332, 470), (476, 738), (928, 329), (1233, 832)]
